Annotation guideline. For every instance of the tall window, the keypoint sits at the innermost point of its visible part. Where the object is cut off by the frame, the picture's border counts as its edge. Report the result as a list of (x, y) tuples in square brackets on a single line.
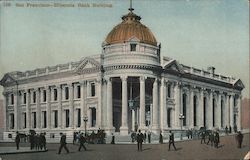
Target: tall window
[(67, 117), (184, 109), (24, 98), (93, 121), (55, 94), (66, 93), (78, 91), (34, 119), (78, 117), (56, 118), (44, 95), (44, 119), (132, 47), (169, 117), (169, 90), (34, 97), (24, 120), (213, 112), (12, 99), (12, 121), (195, 110), (92, 89)]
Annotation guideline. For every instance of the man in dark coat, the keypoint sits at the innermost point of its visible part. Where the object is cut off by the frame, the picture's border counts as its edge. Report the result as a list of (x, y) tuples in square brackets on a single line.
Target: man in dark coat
[(149, 137), (211, 138), (203, 137), (63, 143), (17, 140), (82, 141), (239, 138), (140, 137), (171, 140), (216, 139)]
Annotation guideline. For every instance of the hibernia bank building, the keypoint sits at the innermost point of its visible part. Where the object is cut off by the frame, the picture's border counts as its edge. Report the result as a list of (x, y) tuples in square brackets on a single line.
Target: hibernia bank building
[(129, 86)]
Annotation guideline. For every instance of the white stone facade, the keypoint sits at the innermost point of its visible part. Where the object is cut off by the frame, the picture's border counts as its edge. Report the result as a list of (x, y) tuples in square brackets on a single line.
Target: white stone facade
[(56, 99)]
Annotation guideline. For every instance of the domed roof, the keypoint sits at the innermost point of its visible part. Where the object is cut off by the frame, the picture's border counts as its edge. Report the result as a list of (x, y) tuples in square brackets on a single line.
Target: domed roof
[(131, 27)]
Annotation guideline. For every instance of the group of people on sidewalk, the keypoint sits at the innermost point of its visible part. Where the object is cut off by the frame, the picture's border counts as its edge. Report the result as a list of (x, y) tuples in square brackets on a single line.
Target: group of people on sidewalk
[(212, 136)]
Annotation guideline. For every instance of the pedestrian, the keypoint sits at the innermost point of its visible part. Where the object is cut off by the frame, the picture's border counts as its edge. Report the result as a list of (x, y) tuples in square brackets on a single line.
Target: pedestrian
[(32, 141), (43, 141), (226, 130), (203, 137), (239, 138), (63, 143), (216, 139), (145, 137), (191, 133), (160, 138), (187, 133), (74, 137), (230, 129), (139, 140), (17, 140), (82, 141), (149, 137), (133, 136), (171, 140), (113, 139), (211, 138)]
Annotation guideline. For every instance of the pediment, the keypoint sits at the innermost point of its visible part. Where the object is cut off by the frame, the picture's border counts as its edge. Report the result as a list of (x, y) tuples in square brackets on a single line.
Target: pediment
[(173, 65), (238, 84), (7, 79), (88, 64)]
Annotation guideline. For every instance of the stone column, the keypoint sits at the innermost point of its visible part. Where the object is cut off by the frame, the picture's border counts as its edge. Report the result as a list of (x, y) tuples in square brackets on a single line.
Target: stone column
[(227, 113), (218, 111), (83, 102), (200, 118), (124, 126), (59, 99), (142, 103), (71, 106), (38, 109), (28, 114), (177, 97), (16, 126), (109, 105), (191, 102), (232, 111), (210, 111), (239, 112), (163, 112), (48, 109), (99, 107), (5, 113), (155, 123)]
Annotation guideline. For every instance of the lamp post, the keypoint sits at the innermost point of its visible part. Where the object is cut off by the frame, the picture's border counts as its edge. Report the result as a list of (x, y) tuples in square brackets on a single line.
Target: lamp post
[(85, 119), (181, 117)]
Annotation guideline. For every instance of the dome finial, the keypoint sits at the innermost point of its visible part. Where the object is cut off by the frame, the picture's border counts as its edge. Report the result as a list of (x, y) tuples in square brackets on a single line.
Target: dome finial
[(131, 8)]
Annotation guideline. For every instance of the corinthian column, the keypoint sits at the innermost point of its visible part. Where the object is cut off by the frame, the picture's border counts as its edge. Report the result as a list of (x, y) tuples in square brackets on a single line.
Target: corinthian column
[(59, 91), (163, 110), (5, 113), (201, 109), (231, 110), (191, 102), (124, 127), (142, 103), (177, 104), (48, 98), (155, 123), (239, 112), (109, 105), (83, 99), (218, 113), (28, 120), (71, 106), (99, 107), (38, 109), (210, 111)]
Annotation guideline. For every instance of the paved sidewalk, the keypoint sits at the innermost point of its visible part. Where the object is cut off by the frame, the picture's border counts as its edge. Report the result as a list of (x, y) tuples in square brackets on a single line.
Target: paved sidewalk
[(13, 150)]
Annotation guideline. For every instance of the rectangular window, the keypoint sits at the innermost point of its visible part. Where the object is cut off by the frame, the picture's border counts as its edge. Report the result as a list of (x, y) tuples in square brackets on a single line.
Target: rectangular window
[(78, 117), (44, 119), (44, 95), (12, 121), (66, 93), (92, 89), (93, 115), (169, 117), (169, 91), (78, 91), (12, 99), (132, 47), (55, 94), (24, 98), (67, 117), (34, 119), (34, 97), (24, 120), (56, 118)]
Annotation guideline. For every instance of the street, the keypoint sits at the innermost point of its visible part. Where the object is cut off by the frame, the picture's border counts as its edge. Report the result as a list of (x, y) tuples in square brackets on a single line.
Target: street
[(191, 149)]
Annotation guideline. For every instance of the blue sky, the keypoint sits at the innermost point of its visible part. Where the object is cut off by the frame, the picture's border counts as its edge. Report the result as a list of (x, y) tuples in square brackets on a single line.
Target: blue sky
[(199, 33)]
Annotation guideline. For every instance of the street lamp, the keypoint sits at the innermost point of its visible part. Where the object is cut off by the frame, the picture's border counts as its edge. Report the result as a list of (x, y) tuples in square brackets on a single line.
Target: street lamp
[(181, 117), (85, 119)]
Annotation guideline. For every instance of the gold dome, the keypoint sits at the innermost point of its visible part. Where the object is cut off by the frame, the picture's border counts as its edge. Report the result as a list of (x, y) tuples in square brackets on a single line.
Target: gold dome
[(128, 28)]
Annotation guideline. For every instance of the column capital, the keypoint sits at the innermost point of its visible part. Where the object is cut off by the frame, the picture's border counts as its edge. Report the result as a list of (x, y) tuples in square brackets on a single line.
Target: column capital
[(46, 87), (143, 78), (124, 77), (58, 86)]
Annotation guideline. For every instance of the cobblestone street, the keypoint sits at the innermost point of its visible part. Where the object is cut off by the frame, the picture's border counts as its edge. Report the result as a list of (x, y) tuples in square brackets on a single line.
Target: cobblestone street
[(185, 150)]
